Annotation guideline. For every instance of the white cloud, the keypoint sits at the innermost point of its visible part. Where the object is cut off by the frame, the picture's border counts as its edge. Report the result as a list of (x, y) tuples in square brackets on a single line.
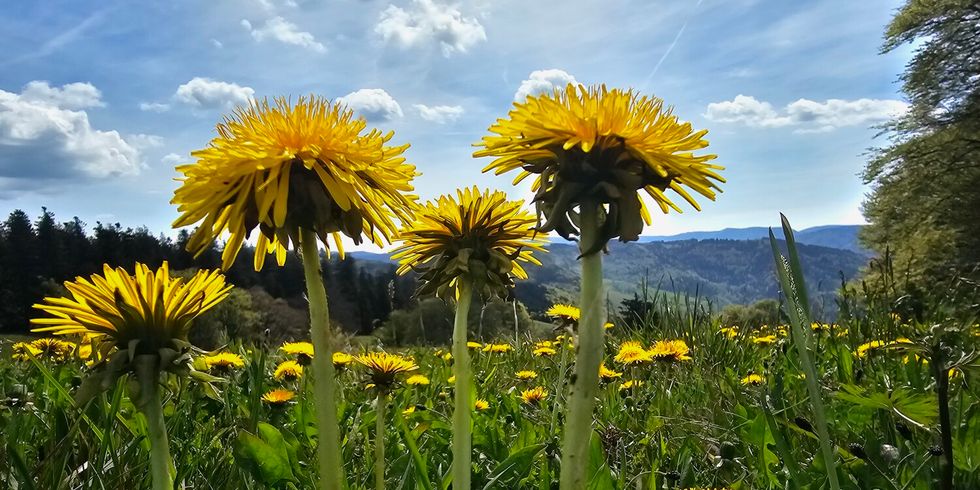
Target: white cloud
[(280, 29), (44, 137), (216, 43), (543, 81), (205, 93), (804, 114), (373, 103), (171, 159), (144, 141), (154, 107), (428, 22), (440, 114), (70, 96)]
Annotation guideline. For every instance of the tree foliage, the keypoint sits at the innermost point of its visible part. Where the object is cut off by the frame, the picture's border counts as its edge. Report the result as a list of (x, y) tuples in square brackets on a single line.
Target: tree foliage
[(924, 208)]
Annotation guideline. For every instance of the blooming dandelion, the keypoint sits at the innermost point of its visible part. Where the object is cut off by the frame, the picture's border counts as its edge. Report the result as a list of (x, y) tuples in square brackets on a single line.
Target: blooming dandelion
[(288, 371)]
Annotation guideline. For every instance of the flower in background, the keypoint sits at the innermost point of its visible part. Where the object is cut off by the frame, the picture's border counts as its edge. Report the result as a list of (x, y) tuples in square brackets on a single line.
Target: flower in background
[(534, 396), (383, 368), (730, 332), (670, 350), (417, 380), (481, 404), (526, 374), (288, 371), (607, 374), (629, 386), (632, 352), (497, 348), (278, 397), (224, 362), (302, 351), (53, 349), (763, 340), (864, 349), (341, 360), (608, 325), (447, 356), (565, 313), (474, 345), (753, 380), (543, 351), (451, 380), (24, 351)]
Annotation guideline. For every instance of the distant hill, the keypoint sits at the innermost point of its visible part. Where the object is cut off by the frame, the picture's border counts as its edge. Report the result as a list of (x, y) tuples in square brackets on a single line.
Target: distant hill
[(724, 271), (833, 236)]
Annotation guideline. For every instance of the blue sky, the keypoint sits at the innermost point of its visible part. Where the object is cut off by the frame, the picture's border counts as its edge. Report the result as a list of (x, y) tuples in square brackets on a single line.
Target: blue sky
[(99, 100)]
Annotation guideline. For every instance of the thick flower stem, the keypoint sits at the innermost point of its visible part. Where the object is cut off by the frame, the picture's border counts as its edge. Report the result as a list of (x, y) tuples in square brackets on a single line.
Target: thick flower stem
[(464, 379), (585, 383), (379, 441), (161, 466), (325, 387)]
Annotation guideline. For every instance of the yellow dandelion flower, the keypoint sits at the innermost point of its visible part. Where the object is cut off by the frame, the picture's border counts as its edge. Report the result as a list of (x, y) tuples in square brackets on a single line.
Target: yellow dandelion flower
[(224, 361), (474, 345), (607, 374), (632, 352), (670, 350), (408, 411), (601, 145), (480, 235), (417, 380), (497, 348), (628, 386), (288, 371), (53, 349), (608, 325), (341, 360), (282, 167), (543, 351), (565, 313), (384, 367), (527, 374), (278, 397), (447, 357), (753, 379), (534, 396), (763, 340), (147, 313), (481, 404), (451, 380), (730, 332), (302, 351), (24, 351), (864, 349)]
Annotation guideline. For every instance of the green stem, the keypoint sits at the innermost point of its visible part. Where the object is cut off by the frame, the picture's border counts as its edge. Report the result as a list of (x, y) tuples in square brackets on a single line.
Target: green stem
[(941, 372), (161, 466), (462, 453), (585, 384), (379, 441), (325, 388), (560, 381)]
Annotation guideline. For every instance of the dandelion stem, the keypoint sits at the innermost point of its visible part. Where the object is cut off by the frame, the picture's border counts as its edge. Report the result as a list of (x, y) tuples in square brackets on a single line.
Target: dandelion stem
[(325, 387), (379, 441), (461, 365), (161, 466), (585, 384)]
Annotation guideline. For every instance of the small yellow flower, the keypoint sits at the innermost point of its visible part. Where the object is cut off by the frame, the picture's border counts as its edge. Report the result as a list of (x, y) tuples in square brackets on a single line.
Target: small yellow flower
[(543, 351), (408, 411), (606, 373), (288, 371), (632, 352), (763, 340), (474, 345), (447, 357), (864, 349), (730, 332), (417, 380), (565, 313), (481, 404), (278, 397), (24, 351), (224, 361), (303, 351), (341, 359), (53, 349), (629, 385), (608, 325), (384, 367), (753, 379), (451, 380), (497, 348), (526, 374), (670, 350), (534, 396)]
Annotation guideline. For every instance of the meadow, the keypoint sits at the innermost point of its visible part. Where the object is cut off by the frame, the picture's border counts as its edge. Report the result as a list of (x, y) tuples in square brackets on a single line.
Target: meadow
[(728, 408)]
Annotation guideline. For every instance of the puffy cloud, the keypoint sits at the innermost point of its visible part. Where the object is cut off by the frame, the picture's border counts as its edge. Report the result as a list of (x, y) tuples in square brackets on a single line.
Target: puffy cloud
[(440, 114), (70, 96), (154, 107), (280, 29), (171, 159), (543, 81), (426, 22), (373, 103), (205, 93), (804, 114), (46, 138)]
